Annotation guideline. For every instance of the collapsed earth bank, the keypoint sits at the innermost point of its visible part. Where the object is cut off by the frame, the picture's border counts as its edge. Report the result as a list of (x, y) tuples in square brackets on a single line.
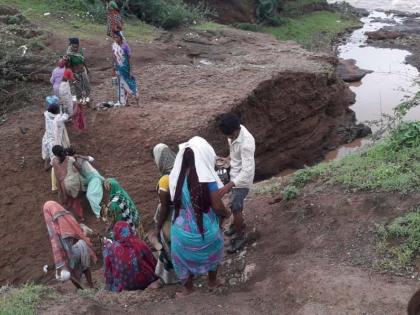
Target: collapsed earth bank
[(289, 98)]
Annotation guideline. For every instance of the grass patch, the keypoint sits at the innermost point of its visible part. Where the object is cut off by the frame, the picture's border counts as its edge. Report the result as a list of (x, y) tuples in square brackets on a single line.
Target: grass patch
[(270, 186), (22, 301), (399, 242), (209, 26), (314, 31), (380, 168), (75, 22)]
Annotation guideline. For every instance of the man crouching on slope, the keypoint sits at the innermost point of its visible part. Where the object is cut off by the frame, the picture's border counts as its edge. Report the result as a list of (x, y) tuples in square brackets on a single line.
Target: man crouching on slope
[(242, 171)]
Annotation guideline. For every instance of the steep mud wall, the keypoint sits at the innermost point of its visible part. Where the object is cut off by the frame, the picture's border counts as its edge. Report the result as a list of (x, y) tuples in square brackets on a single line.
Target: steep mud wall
[(295, 118)]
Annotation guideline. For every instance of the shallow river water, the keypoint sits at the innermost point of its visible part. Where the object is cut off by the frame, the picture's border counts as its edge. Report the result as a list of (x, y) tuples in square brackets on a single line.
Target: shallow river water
[(400, 5), (391, 82)]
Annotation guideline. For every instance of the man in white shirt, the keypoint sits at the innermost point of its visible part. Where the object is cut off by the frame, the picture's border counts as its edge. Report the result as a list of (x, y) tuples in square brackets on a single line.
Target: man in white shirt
[(242, 171)]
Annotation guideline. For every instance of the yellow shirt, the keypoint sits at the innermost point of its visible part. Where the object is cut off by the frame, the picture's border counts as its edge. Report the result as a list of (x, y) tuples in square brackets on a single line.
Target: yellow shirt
[(164, 183)]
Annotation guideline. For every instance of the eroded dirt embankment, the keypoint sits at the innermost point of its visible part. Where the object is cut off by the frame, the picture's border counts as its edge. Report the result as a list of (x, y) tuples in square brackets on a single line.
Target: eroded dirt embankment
[(289, 98)]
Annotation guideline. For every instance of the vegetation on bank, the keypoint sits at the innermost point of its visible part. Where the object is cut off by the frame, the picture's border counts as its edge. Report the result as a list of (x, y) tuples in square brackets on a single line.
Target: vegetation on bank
[(22, 301), (391, 165), (311, 23), (314, 31), (72, 18)]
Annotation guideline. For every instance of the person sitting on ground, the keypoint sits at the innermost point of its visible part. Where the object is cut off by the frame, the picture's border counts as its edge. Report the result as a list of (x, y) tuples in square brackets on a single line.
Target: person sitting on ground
[(121, 208), (128, 263), (196, 237), (71, 248), (66, 99), (68, 179), (113, 18), (126, 83), (92, 181), (76, 61), (164, 158), (242, 170), (55, 130), (57, 75)]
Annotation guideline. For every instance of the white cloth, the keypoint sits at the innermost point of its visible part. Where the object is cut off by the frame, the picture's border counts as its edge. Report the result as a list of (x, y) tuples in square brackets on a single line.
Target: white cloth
[(118, 53), (66, 98), (55, 133), (242, 161), (205, 161)]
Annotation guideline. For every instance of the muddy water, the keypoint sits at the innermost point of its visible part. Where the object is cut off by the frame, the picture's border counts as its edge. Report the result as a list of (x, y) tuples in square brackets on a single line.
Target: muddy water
[(391, 82), (400, 5)]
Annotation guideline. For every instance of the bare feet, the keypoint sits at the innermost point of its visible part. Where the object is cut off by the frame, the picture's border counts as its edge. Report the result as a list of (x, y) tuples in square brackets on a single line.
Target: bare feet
[(156, 285), (184, 293), (215, 283)]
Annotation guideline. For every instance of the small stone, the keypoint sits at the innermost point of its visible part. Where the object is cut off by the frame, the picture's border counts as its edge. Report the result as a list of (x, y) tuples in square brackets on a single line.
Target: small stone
[(233, 282)]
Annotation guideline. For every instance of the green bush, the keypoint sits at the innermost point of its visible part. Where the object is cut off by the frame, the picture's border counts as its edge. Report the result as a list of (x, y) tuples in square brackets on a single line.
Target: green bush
[(166, 13), (290, 192), (266, 10), (407, 134)]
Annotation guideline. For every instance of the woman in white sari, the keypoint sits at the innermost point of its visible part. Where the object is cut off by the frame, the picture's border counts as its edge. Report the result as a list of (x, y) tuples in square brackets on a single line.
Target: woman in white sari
[(55, 130)]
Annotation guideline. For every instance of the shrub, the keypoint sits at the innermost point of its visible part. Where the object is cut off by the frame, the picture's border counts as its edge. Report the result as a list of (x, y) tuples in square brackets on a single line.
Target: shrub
[(407, 134), (290, 192), (166, 13), (266, 10)]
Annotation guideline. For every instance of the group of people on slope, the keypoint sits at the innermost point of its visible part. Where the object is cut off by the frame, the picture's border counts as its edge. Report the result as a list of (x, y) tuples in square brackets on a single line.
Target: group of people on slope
[(188, 220)]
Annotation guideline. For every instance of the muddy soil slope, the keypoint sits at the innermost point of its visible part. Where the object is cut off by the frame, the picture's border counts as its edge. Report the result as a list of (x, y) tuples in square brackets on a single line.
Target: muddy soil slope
[(289, 98), (314, 256)]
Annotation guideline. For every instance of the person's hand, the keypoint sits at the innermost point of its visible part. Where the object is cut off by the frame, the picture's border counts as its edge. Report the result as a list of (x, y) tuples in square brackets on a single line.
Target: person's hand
[(223, 191)]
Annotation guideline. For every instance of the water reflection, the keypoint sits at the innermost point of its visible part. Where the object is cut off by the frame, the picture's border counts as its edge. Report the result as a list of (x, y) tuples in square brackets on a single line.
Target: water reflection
[(391, 82)]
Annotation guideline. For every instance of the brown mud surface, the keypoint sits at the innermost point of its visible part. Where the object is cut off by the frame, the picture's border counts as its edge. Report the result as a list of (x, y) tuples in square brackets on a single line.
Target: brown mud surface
[(314, 256), (284, 94)]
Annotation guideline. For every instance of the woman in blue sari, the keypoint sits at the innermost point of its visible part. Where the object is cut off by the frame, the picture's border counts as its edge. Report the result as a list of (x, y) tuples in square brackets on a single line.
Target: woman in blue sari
[(196, 237), (126, 83)]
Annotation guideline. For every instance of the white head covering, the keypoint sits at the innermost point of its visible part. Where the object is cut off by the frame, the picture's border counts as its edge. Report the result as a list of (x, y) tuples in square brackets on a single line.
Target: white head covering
[(164, 158), (205, 160)]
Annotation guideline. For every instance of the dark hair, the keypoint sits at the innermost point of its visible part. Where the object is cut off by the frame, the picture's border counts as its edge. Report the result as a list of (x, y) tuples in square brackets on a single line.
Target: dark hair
[(199, 192), (70, 151), (59, 152), (118, 33), (53, 109), (228, 123)]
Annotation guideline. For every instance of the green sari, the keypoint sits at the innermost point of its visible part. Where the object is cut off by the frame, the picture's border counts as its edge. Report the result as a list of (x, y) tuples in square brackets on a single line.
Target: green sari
[(121, 207)]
